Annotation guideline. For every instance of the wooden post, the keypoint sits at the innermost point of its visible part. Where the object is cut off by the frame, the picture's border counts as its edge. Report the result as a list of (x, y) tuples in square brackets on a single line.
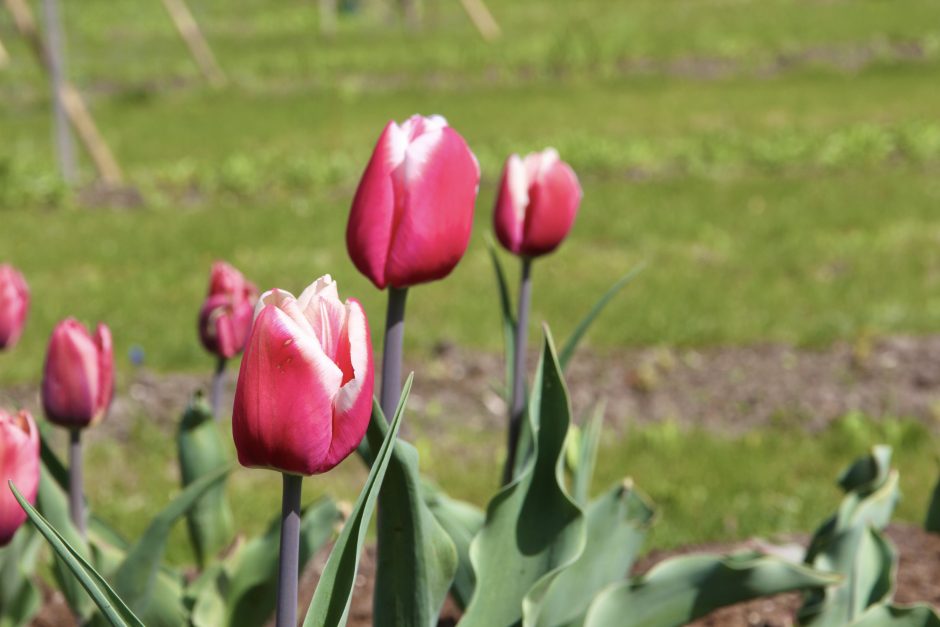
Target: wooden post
[(55, 57), (328, 11), (198, 46), (4, 56), (482, 18), (72, 101)]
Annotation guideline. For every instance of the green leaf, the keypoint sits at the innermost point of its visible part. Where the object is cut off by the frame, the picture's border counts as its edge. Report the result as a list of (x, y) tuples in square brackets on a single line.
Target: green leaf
[(205, 597), (679, 590), (894, 616), (508, 318), (112, 607), (932, 522), (136, 577), (533, 528), (462, 521), (617, 523), (587, 457), (567, 351), (330, 604), (416, 559), (867, 473), (252, 589), (201, 451), (19, 597)]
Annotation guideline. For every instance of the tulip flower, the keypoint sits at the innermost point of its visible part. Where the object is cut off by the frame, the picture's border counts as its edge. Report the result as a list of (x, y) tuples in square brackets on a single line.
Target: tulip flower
[(225, 320), (410, 221), (536, 205), (303, 400), (14, 305), (77, 387), (19, 462)]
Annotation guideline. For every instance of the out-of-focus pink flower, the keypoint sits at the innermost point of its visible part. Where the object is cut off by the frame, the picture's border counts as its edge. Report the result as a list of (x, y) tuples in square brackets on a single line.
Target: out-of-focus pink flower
[(19, 462), (77, 383), (413, 211), (225, 317), (537, 203), (304, 394), (14, 305)]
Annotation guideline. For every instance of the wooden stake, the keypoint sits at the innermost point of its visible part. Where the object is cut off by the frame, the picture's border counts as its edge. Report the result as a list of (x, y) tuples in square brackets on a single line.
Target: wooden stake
[(4, 56), (55, 41), (482, 18), (328, 17), (72, 101), (198, 46)]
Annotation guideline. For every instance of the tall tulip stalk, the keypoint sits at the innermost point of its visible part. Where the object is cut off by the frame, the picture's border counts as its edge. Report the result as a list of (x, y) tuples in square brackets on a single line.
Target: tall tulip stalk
[(535, 209), (225, 322), (303, 402), (77, 388), (410, 222)]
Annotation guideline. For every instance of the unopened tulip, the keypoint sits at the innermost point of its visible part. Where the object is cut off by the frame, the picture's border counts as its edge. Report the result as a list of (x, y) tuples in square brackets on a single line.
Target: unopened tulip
[(537, 203), (304, 393), (225, 317), (413, 211), (14, 304), (77, 383), (19, 463)]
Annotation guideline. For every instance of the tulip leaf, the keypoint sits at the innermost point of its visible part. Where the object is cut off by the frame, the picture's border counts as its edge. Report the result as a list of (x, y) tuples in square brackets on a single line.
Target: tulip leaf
[(205, 598), (567, 351), (19, 597), (583, 473), (330, 604), (135, 579), (932, 522), (617, 523), (462, 521), (416, 559), (508, 318), (201, 451), (533, 529), (679, 590), (112, 608), (894, 616), (252, 589)]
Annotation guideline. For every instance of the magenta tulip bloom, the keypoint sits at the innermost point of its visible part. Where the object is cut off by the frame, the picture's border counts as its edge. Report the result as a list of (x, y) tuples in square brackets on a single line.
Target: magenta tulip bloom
[(413, 211), (538, 200), (77, 384), (19, 462), (14, 305), (225, 317), (304, 394)]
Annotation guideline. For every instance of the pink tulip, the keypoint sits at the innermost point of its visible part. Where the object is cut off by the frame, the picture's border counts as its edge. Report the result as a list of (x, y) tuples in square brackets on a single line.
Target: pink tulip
[(19, 462), (412, 215), (225, 317), (304, 393), (77, 384), (14, 304), (538, 200)]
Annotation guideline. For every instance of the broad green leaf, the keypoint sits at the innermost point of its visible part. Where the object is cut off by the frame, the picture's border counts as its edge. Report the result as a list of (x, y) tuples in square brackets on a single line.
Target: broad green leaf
[(867, 473), (894, 616), (112, 608), (252, 588), (416, 559), (135, 579), (567, 351), (533, 528), (201, 451), (583, 472), (462, 521), (616, 528), (205, 597), (330, 604), (19, 597), (932, 523), (679, 590)]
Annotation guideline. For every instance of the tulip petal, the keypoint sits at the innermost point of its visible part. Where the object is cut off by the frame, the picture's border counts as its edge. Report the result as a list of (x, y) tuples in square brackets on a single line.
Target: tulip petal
[(352, 407), (511, 204), (105, 371), (14, 305), (19, 462), (554, 198), (72, 376)]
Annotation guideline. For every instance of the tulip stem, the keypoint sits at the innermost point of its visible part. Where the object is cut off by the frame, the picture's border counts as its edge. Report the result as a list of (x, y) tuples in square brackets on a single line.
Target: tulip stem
[(288, 565), (76, 496), (218, 386), (518, 403), (392, 351)]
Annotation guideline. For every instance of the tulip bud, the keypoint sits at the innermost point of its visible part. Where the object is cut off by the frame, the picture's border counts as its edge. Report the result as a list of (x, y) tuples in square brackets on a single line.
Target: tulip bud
[(538, 200), (14, 304), (413, 211), (19, 462), (77, 383), (304, 393), (225, 317)]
